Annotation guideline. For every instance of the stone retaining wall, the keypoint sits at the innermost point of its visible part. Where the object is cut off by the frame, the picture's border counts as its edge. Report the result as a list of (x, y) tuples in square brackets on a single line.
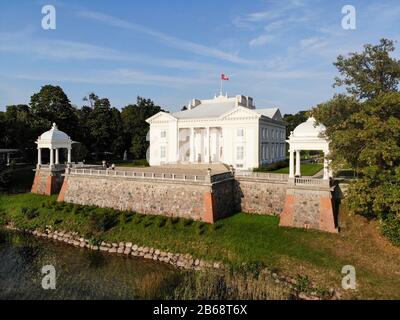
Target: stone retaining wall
[(260, 196), (195, 201), (307, 205)]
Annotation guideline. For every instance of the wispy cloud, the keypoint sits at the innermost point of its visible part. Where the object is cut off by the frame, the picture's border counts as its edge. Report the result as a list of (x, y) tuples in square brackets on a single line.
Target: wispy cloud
[(121, 76), (73, 50), (261, 40), (164, 38)]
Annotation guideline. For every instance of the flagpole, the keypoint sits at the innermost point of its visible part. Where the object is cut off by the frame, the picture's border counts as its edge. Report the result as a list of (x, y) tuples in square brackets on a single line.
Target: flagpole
[(220, 92)]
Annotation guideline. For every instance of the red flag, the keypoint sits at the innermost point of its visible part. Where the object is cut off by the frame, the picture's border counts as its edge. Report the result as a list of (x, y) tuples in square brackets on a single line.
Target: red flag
[(224, 77)]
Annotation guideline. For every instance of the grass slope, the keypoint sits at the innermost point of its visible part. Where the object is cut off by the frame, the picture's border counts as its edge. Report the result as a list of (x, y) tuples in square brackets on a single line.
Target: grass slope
[(307, 169), (242, 238)]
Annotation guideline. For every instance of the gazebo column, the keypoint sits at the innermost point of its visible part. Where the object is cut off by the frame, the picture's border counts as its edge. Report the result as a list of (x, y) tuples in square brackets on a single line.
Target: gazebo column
[(51, 156), (39, 156), (291, 164), (69, 156), (298, 170), (326, 166), (57, 156)]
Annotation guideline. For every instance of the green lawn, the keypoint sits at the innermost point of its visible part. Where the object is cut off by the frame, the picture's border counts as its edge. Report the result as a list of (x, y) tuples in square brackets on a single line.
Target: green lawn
[(133, 163), (242, 238), (307, 169)]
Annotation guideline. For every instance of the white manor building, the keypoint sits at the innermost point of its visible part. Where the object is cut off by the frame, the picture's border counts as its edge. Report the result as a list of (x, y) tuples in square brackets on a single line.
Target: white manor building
[(227, 130)]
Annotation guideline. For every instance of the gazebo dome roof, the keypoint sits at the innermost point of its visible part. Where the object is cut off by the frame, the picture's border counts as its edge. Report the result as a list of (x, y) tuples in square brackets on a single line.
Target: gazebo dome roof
[(309, 129), (54, 136)]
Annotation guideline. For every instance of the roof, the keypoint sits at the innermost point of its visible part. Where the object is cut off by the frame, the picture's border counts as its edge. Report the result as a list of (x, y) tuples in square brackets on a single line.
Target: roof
[(309, 129), (54, 135), (206, 110), (267, 112)]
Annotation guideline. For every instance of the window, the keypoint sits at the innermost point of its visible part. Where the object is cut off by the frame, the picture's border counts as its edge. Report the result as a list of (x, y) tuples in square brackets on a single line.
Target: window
[(240, 153), (163, 134), (240, 132), (162, 152)]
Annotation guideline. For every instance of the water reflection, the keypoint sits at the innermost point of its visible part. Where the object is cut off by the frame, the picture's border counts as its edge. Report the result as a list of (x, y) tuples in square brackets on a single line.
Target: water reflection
[(81, 274)]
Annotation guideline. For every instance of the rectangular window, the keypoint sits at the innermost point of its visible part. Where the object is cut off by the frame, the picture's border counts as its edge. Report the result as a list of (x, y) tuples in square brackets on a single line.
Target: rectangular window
[(240, 153), (240, 132), (163, 134), (163, 154)]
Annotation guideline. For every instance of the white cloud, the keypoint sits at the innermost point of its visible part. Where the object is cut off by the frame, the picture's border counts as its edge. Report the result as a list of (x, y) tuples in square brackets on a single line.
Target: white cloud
[(121, 76), (166, 39), (261, 40)]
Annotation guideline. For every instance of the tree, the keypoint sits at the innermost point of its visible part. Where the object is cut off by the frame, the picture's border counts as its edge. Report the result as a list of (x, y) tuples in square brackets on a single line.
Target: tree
[(135, 126), (371, 72), (293, 120), (19, 133), (50, 105), (364, 130), (105, 128)]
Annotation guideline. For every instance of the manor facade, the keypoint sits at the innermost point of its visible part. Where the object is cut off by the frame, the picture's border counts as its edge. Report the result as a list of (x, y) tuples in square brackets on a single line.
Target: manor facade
[(227, 130)]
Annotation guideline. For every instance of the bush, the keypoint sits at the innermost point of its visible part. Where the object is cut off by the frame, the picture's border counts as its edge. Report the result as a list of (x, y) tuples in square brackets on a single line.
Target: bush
[(161, 221), (391, 228), (3, 218), (101, 221), (273, 166), (29, 213)]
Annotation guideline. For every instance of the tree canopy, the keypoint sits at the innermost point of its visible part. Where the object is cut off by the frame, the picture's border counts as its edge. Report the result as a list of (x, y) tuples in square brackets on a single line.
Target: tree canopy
[(101, 130), (364, 130)]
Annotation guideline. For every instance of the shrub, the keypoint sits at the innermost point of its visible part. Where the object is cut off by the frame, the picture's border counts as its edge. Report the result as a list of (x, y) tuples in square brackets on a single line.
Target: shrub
[(161, 221), (29, 213), (302, 283), (3, 218), (100, 221), (187, 222), (273, 166), (391, 228)]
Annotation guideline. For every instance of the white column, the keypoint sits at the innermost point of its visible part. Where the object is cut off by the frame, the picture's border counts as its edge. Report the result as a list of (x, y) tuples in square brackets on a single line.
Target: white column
[(57, 156), (192, 157), (291, 164), (326, 166), (208, 153), (69, 156), (39, 160), (298, 170), (8, 159), (51, 156)]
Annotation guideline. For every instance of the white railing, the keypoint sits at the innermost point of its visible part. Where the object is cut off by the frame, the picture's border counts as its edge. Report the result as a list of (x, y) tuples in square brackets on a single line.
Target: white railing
[(140, 175), (311, 182), (263, 175)]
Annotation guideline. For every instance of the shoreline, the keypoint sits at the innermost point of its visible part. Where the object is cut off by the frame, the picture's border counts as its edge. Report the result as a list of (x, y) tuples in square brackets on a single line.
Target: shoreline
[(180, 261)]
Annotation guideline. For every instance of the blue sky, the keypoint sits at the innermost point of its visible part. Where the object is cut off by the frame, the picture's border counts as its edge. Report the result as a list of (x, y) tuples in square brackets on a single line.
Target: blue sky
[(278, 52)]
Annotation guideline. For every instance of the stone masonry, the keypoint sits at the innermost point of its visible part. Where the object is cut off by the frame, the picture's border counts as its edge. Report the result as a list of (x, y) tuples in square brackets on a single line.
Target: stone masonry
[(47, 182), (197, 201), (304, 206)]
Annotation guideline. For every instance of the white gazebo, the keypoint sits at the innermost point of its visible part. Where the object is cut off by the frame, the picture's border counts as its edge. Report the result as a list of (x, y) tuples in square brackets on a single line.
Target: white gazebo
[(308, 136), (54, 140)]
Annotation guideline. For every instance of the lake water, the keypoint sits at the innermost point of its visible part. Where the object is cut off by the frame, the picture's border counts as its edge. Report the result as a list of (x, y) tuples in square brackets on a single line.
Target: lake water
[(80, 273)]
